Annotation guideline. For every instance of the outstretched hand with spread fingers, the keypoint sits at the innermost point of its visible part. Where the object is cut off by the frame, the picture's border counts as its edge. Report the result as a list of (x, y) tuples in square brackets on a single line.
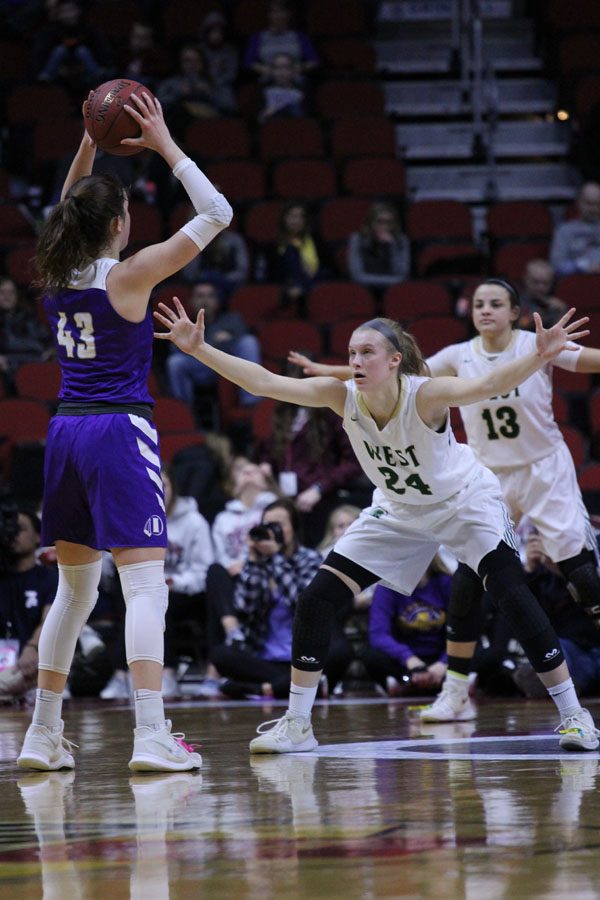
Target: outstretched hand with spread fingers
[(185, 334), (550, 341)]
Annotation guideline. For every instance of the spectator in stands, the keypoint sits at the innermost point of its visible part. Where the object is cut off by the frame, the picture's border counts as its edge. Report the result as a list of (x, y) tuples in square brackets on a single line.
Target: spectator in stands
[(576, 243), (537, 296), (277, 569), (70, 51), (579, 642), (225, 262), (189, 554), (282, 95), (379, 254), (144, 60), (279, 37), (222, 62), (189, 94), (27, 590), (407, 634), (297, 260), (251, 488), (225, 330), (339, 521), (22, 337), (311, 456)]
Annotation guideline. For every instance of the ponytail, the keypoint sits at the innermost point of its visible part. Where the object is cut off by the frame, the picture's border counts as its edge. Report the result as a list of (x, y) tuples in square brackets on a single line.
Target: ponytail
[(400, 340), (78, 229)]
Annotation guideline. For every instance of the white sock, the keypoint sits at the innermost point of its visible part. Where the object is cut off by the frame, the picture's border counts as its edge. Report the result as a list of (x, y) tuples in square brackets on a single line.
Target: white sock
[(565, 698), (48, 708), (149, 707), (458, 680), (301, 700)]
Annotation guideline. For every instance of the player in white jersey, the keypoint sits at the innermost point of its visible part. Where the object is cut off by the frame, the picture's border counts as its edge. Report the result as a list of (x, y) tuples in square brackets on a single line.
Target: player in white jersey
[(516, 436), (429, 490)]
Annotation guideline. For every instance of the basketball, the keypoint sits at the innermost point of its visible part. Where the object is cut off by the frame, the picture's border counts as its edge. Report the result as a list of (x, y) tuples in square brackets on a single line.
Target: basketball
[(107, 122)]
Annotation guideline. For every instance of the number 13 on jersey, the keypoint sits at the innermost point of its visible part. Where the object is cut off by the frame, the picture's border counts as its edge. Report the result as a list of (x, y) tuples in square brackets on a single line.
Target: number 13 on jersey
[(85, 348)]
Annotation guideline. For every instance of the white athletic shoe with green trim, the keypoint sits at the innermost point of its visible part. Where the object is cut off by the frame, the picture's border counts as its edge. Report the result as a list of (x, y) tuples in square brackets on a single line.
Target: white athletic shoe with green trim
[(452, 705), (578, 732), (289, 734)]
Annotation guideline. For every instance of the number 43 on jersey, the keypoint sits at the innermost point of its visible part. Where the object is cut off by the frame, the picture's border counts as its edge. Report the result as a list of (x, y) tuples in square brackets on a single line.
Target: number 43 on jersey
[(85, 347)]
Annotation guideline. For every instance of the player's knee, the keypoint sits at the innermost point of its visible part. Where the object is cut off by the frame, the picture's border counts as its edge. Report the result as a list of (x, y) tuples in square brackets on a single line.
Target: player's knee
[(464, 608), (582, 576), (317, 607), (78, 587), (146, 598)]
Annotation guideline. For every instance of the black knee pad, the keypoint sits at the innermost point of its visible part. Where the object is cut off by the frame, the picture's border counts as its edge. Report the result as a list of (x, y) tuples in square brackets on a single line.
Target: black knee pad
[(464, 608), (317, 607), (506, 585), (583, 582)]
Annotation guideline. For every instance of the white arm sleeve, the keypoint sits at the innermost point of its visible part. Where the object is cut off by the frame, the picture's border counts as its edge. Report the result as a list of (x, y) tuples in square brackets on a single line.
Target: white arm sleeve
[(214, 212)]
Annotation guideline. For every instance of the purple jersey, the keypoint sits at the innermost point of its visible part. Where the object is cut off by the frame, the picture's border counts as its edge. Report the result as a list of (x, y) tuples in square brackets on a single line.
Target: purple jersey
[(103, 357)]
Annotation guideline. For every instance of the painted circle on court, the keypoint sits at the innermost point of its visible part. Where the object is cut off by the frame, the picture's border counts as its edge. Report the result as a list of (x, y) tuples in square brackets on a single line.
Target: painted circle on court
[(490, 748)]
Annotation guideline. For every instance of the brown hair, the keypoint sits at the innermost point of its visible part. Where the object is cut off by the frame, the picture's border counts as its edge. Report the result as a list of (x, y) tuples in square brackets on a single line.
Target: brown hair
[(77, 229), (412, 358)]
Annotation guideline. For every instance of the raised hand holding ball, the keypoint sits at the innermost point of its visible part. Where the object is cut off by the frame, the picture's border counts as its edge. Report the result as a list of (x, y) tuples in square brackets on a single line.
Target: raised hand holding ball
[(107, 121)]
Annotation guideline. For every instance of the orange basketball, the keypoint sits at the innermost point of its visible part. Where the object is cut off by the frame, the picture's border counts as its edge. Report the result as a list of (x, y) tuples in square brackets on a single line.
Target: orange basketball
[(107, 122)]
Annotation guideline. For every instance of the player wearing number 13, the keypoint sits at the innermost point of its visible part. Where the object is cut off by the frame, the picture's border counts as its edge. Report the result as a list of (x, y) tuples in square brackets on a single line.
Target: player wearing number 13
[(102, 467), (429, 490)]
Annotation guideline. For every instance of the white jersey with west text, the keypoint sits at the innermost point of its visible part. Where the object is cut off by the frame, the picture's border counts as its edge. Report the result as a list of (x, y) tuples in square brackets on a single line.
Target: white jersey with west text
[(517, 428), (406, 460)]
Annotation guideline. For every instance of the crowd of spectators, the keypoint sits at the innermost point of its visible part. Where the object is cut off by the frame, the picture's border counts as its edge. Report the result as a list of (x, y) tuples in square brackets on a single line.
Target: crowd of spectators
[(300, 484)]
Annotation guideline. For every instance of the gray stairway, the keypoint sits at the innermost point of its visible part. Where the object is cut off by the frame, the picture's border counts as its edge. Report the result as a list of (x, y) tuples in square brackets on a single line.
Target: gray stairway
[(432, 107)]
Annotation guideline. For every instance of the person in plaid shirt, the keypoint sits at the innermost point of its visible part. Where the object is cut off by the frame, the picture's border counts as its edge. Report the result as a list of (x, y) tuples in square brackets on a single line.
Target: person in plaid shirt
[(277, 570)]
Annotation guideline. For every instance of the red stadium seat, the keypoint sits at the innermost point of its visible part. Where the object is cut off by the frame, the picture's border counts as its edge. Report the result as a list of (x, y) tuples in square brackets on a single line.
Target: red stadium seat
[(576, 444), (291, 138), (256, 303), (340, 334), (39, 381), (23, 419), (435, 332), (519, 219), (448, 258), (172, 443), (15, 225), (304, 178), (339, 217), (332, 301), (560, 408), (362, 136), (589, 477), (349, 98), (221, 138), (347, 54), (240, 180), (511, 258), (415, 299), (262, 420), (171, 415), (279, 337), (231, 412), (581, 291), (570, 382), (441, 219), (262, 221), (332, 19), (19, 264), (146, 223), (372, 176), (33, 102), (594, 410)]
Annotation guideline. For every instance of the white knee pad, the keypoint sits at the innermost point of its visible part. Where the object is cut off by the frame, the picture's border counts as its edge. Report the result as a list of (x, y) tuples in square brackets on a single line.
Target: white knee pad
[(75, 599), (146, 597)]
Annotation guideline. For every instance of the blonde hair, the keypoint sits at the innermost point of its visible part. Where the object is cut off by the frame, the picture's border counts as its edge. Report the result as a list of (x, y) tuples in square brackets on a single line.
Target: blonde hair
[(413, 362), (347, 508)]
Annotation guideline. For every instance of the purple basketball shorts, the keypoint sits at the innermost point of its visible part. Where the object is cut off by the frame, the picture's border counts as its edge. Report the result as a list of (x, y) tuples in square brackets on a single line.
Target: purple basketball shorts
[(102, 483)]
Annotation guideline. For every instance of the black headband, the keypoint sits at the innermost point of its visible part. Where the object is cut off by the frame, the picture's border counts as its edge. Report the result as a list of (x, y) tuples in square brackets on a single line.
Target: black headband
[(512, 291), (385, 330)]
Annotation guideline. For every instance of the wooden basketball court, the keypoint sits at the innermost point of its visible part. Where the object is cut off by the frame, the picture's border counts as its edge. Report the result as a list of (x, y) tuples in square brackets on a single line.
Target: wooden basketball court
[(384, 808)]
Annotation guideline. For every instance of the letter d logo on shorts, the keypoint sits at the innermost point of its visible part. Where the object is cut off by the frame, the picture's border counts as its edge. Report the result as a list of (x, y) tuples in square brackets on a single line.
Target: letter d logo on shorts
[(154, 525)]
